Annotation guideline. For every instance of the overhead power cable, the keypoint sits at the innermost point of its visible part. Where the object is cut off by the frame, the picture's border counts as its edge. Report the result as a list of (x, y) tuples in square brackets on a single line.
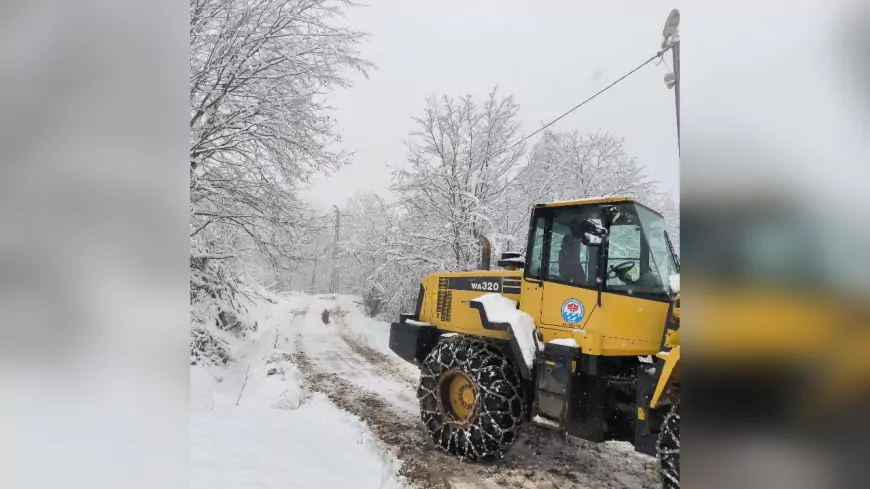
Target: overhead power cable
[(608, 87)]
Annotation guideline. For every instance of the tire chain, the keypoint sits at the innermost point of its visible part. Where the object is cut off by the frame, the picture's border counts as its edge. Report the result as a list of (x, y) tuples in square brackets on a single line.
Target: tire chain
[(500, 399), (668, 449)]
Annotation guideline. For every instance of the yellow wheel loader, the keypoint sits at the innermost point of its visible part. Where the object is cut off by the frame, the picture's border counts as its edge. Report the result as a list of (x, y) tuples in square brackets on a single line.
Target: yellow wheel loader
[(581, 336)]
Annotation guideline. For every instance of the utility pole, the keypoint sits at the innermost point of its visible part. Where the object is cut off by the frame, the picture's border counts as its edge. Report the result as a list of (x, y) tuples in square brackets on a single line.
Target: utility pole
[(676, 52), (334, 285), (671, 40)]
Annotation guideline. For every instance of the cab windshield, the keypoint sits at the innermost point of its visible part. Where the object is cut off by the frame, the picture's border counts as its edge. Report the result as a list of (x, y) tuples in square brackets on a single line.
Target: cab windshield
[(661, 246), (640, 258)]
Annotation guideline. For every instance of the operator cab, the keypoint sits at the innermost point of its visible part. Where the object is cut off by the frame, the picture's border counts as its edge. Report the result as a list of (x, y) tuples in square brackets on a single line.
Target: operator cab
[(610, 245)]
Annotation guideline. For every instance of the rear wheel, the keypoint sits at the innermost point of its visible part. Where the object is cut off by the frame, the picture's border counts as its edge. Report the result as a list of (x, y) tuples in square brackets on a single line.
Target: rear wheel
[(668, 448), (471, 398)]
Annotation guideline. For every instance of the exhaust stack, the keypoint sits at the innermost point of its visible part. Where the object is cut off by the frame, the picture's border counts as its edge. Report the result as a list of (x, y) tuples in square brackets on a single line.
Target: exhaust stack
[(484, 252)]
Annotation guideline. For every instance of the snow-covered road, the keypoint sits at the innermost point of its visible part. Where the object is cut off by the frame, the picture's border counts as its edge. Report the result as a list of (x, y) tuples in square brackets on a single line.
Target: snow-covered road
[(332, 348), (315, 404)]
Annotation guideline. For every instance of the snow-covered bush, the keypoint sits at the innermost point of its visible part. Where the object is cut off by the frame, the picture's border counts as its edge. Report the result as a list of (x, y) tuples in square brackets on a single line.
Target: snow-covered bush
[(373, 303), (217, 311)]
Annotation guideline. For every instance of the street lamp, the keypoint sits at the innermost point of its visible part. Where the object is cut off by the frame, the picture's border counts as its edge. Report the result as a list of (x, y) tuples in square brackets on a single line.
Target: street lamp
[(671, 40)]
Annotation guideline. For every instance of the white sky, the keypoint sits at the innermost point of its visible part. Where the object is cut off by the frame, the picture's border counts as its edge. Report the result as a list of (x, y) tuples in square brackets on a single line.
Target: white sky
[(550, 55)]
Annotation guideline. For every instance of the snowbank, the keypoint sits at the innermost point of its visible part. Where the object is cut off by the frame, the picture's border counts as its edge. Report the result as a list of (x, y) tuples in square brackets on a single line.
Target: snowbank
[(500, 309), (237, 447), (254, 423)]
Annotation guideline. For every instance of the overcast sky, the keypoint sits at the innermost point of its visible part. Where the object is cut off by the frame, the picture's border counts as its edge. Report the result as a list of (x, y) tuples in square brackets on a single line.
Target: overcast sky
[(550, 55)]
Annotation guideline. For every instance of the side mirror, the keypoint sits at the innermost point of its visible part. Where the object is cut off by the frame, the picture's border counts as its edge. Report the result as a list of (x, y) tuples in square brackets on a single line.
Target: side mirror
[(592, 233)]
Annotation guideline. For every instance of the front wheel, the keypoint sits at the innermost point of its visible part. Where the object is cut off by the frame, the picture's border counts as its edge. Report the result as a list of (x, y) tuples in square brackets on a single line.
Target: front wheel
[(668, 448), (471, 398)]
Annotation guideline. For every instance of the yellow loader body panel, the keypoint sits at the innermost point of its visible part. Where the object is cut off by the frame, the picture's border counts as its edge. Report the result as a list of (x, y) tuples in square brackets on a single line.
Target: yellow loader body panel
[(627, 326)]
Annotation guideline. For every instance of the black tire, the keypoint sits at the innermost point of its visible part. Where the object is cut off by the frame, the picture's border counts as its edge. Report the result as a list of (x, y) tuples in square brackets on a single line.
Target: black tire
[(498, 408), (668, 449)]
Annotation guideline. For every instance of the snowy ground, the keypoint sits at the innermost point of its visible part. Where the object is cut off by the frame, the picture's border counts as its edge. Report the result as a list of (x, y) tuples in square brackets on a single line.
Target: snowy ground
[(309, 404)]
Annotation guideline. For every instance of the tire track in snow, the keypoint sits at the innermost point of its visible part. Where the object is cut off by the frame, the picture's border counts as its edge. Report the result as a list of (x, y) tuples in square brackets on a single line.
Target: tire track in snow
[(328, 351), (395, 429), (333, 363), (374, 357), (401, 431)]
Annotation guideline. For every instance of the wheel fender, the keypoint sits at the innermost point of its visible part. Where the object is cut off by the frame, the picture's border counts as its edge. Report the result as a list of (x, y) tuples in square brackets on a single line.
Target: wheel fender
[(670, 370), (515, 350)]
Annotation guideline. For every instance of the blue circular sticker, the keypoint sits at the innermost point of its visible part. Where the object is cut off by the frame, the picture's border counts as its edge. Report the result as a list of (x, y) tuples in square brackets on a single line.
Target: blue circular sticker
[(572, 311)]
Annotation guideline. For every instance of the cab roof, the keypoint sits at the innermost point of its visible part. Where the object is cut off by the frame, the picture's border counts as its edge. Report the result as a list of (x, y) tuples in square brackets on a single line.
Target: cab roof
[(590, 200), (595, 200)]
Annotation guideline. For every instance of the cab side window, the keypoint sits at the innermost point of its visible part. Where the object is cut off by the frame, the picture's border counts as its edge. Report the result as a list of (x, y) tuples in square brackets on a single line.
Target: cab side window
[(536, 250), (569, 261)]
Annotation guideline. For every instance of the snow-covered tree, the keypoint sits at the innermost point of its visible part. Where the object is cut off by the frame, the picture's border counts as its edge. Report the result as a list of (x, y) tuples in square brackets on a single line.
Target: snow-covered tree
[(572, 165), (312, 269), (569, 166), (460, 160), (259, 70), (377, 260)]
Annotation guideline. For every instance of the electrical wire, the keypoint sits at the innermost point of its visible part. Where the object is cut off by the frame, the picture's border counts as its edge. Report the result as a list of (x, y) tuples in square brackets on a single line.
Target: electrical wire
[(659, 54)]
